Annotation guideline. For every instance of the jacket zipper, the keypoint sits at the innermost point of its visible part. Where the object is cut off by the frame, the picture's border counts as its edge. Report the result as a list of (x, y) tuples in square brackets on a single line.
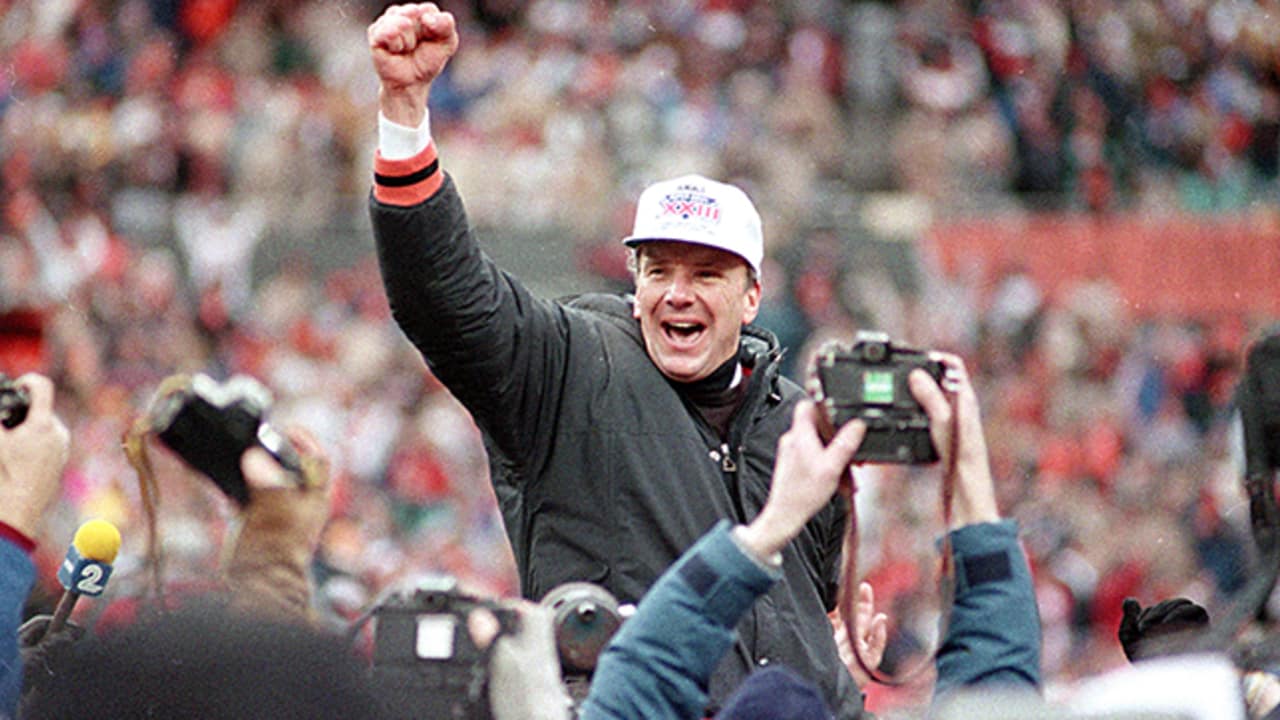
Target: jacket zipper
[(727, 463)]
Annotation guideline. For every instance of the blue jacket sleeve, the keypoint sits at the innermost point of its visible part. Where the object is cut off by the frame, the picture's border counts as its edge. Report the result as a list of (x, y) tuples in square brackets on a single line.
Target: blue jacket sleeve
[(993, 637), (659, 663), (17, 575)]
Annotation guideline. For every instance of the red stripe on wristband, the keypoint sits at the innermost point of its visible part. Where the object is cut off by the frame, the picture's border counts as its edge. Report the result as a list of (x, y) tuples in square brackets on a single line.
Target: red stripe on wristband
[(394, 181), (17, 537)]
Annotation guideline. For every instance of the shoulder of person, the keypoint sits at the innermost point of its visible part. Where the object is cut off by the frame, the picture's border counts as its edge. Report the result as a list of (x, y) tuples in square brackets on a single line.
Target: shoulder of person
[(603, 310), (604, 303)]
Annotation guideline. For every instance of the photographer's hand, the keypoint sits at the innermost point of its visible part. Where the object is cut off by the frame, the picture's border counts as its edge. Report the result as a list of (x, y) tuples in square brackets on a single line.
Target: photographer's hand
[(282, 525), (32, 457), (975, 496), (524, 669), (410, 45), (805, 476)]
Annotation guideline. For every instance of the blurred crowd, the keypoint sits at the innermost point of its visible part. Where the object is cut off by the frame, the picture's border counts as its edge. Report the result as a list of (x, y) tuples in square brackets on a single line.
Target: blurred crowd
[(184, 188)]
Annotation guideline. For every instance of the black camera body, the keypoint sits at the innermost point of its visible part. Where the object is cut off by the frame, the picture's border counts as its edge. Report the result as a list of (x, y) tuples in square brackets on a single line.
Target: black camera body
[(14, 403), (210, 425), (868, 380), (425, 664)]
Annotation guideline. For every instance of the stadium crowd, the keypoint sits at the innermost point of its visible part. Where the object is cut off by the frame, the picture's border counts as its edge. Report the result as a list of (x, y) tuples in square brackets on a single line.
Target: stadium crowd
[(177, 176)]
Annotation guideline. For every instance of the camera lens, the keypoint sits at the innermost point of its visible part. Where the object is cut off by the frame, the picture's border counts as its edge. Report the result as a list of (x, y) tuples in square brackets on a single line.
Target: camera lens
[(874, 352)]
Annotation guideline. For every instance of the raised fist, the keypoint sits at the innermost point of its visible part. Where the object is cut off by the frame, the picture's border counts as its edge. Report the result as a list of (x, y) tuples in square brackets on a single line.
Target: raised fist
[(410, 45)]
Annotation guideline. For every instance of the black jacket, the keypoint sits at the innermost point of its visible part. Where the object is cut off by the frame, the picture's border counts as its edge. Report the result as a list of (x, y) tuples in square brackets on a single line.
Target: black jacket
[(603, 470)]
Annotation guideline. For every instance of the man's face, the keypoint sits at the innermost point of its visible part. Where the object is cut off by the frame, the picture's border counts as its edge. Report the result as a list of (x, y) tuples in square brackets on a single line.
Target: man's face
[(692, 301)]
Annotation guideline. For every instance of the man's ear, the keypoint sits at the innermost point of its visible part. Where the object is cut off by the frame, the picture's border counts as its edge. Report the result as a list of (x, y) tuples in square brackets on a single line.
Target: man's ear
[(751, 307)]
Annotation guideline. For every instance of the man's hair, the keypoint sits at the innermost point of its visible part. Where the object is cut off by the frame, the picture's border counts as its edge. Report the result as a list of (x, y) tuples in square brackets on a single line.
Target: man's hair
[(207, 662), (633, 264)]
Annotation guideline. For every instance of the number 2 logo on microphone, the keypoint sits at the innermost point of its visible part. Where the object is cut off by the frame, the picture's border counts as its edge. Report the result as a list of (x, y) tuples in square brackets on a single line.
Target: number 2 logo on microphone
[(91, 580), (83, 576)]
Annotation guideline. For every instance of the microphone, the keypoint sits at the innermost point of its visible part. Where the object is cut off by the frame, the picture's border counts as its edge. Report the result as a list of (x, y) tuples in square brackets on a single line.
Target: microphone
[(86, 568)]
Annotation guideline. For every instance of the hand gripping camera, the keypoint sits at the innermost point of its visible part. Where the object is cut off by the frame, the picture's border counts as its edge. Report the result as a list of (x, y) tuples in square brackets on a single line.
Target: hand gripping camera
[(425, 664), (868, 380)]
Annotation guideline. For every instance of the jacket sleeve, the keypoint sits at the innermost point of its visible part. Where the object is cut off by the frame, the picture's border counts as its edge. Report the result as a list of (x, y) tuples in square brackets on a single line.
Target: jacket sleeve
[(268, 566), (17, 575), (834, 522), (498, 349), (659, 663), (993, 638)]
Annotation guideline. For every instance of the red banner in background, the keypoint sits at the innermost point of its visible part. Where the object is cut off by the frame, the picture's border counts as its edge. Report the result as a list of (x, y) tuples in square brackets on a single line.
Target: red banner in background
[(1188, 265), (22, 344)]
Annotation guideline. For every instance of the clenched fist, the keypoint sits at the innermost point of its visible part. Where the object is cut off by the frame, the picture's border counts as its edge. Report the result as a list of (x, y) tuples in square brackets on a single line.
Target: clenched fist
[(410, 45)]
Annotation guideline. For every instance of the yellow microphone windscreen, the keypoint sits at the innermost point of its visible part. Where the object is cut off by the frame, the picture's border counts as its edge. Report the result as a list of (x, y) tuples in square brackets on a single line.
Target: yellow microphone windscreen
[(97, 540)]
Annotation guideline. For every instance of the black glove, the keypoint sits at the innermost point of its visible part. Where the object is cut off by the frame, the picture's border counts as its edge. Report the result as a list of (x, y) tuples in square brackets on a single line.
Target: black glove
[(1141, 627), (36, 650)]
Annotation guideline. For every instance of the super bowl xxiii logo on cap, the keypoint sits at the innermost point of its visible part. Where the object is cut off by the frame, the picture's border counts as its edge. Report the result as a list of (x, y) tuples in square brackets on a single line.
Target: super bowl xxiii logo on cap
[(694, 209), (689, 204)]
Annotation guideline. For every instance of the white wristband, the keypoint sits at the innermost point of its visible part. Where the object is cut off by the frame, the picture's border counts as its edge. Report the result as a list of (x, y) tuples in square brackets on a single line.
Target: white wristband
[(398, 142)]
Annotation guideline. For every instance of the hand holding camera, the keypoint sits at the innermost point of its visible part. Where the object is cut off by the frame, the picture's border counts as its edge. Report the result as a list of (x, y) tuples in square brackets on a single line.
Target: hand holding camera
[(268, 564), (901, 394), (806, 474), (33, 452), (974, 500)]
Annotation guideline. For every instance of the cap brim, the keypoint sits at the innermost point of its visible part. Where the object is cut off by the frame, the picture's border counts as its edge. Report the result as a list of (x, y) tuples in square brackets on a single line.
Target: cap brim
[(632, 241)]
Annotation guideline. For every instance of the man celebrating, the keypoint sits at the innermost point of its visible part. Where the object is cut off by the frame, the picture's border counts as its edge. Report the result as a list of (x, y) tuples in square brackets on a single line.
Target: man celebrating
[(619, 429)]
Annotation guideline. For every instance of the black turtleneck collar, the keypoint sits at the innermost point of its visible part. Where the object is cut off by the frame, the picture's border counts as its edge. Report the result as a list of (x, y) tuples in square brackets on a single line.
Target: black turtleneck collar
[(715, 384), (717, 396)]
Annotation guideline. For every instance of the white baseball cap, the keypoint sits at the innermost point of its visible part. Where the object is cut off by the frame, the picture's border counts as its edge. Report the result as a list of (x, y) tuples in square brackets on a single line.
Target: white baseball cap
[(695, 209)]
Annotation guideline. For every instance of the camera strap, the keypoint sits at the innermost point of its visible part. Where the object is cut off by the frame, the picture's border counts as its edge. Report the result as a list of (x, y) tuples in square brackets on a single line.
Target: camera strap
[(135, 449), (847, 597)]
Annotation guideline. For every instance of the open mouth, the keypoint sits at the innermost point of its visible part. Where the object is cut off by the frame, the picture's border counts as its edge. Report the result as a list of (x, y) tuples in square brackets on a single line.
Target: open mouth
[(683, 333)]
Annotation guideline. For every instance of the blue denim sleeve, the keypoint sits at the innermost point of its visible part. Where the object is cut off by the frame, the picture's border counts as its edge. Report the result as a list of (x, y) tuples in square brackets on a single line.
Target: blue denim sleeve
[(993, 635), (659, 663), (17, 575)]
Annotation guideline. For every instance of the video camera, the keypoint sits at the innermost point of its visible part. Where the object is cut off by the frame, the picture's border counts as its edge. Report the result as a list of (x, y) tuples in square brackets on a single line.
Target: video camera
[(211, 424), (868, 380), (425, 663)]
